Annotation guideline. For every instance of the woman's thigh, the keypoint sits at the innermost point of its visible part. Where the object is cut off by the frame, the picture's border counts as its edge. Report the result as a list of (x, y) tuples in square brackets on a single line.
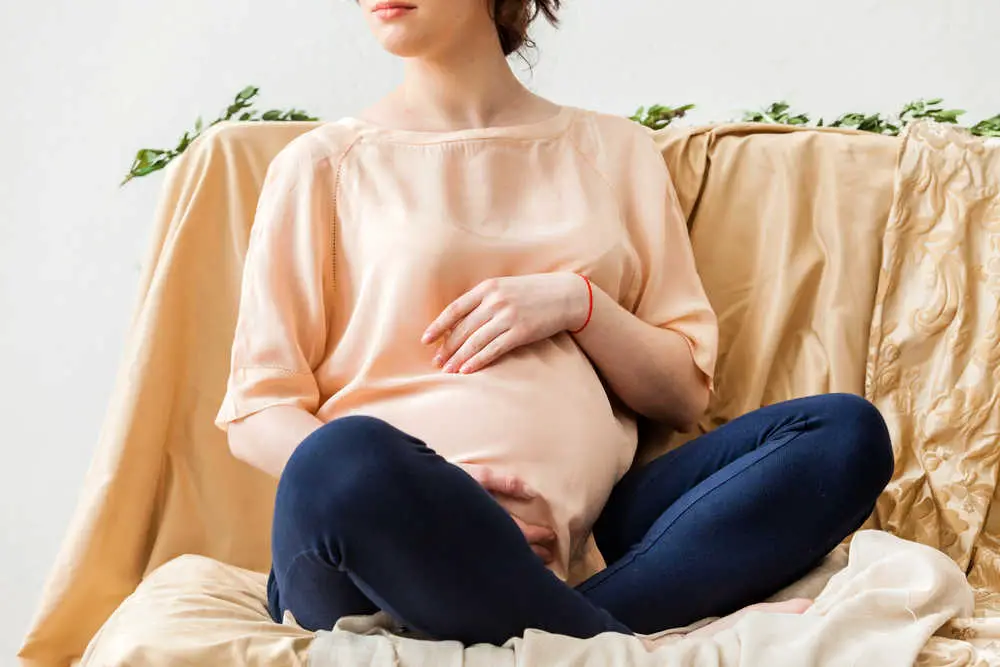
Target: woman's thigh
[(363, 502), (734, 515)]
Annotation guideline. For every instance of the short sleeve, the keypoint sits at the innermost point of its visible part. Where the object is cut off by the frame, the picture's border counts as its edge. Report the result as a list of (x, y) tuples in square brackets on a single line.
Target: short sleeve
[(670, 292), (281, 328)]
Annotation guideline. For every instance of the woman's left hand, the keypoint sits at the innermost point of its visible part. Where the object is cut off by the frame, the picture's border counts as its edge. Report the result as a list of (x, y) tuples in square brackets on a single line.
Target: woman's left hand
[(503, 314)]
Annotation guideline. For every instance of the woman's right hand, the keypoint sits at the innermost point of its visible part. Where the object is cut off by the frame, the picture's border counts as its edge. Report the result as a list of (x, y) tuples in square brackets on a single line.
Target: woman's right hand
[(541, 539)]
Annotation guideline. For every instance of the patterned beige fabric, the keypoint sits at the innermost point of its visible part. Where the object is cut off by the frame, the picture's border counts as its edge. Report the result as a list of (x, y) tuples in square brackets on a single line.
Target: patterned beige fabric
[(934, 368)]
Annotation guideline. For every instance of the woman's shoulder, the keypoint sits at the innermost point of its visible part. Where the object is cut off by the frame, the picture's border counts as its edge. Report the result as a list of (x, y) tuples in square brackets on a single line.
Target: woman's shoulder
[(328, 142), (614, 141), (614, 125), (614, 133)]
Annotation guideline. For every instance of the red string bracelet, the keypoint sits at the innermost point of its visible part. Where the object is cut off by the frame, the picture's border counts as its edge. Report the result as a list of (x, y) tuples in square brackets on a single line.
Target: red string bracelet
[(590, 308)]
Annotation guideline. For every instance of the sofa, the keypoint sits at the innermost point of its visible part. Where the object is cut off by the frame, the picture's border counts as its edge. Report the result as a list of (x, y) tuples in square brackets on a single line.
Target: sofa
[(837, 261)]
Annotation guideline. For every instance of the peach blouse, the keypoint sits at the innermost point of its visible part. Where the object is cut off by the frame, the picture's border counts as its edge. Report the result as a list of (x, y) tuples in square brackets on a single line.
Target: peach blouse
[(364, 234)]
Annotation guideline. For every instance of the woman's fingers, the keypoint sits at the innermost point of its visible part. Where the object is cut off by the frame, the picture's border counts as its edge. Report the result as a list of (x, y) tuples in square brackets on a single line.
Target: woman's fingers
[(460, 333), (535, 534), (455, 311), (493, 350), (507, 485), (544, 553), (474, 344), (540, 539), (481, 474), (504, 485)]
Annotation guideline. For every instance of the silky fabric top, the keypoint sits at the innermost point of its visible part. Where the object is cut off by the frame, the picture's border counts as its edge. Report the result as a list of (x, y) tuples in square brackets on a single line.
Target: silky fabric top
[(364, 234)]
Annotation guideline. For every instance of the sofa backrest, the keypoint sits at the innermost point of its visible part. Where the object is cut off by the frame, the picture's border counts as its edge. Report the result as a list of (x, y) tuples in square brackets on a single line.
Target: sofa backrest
[(786, 228)]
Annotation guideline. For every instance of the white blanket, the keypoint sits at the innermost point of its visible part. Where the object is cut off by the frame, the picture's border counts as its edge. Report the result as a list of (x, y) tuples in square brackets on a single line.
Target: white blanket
[(879, 610)]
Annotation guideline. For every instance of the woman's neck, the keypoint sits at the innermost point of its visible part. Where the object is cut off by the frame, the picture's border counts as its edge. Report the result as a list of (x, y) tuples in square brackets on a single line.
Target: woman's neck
[(470, 86)]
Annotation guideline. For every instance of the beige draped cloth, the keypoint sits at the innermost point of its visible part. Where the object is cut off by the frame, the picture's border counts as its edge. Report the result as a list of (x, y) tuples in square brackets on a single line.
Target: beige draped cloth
[(836, 261)]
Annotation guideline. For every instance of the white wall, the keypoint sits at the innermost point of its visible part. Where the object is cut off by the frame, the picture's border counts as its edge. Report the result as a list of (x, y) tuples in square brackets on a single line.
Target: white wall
[(83, 84)]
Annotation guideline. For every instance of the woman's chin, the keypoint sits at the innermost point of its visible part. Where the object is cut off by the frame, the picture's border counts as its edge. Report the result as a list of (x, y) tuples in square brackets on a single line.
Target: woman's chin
[(404, 45)]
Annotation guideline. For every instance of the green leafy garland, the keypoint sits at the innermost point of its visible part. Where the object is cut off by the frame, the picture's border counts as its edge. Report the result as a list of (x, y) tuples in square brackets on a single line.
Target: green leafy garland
[(148, 160), (657, 117), (779, 113)]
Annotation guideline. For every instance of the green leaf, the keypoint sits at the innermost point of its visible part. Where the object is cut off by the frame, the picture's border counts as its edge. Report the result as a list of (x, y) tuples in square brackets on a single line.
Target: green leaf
[(149, 169), (988, 127), (148, 154), (247, 93), (659, 116), (949, 116), (273, 114)]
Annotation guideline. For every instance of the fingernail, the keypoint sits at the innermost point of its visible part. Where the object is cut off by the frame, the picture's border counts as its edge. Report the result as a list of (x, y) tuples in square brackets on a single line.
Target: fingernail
[(438, 361), (466, 369), (450, 368)]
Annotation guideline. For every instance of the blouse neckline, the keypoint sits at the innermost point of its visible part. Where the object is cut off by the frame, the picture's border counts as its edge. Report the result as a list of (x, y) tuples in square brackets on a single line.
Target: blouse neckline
[(552, 126)]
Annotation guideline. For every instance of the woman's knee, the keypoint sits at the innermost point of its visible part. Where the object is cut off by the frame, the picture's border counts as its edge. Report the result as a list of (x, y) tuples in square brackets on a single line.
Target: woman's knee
[(861, 446), (345, 465)]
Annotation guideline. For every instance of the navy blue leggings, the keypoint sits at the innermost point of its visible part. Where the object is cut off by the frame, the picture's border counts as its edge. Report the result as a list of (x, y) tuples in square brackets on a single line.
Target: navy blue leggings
[(368, 518)]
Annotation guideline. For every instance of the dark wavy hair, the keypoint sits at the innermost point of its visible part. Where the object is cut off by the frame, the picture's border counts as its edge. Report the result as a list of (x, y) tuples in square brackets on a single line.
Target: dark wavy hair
[(513, 17)]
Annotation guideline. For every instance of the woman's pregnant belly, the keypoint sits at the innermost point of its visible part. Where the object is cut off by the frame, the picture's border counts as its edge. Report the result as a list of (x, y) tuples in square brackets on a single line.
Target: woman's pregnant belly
[(540, 413)]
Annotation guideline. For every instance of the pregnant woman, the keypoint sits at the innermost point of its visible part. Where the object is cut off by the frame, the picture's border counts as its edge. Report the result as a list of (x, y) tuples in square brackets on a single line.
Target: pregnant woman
[(455, 305)]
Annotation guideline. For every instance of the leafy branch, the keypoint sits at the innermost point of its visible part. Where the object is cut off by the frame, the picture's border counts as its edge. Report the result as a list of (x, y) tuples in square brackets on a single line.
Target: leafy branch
[(989, 127), (148, 160), (776, 114), (780, 113), (657, 117)]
